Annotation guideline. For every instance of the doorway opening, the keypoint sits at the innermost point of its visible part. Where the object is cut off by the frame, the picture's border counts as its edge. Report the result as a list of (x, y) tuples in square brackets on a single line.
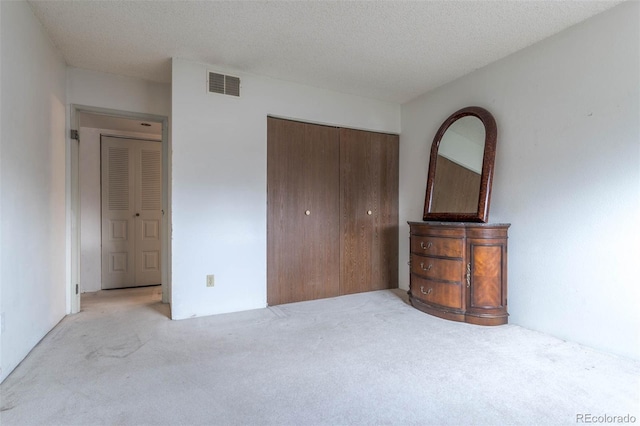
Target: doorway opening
[(145, 138)]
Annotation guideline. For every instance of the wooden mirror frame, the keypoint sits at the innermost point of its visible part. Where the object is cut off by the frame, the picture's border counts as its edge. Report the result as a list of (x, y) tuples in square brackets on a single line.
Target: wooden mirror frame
[(486, 178)]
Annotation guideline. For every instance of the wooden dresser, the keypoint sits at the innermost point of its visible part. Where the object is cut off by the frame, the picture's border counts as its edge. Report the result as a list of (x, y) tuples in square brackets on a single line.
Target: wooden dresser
[(459, 271)]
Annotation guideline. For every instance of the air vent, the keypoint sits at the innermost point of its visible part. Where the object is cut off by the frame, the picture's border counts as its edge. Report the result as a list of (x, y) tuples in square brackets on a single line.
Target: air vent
[(224, 84)]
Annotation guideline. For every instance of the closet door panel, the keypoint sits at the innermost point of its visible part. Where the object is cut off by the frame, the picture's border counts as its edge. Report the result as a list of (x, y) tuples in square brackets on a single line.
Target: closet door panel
[(387, 154), (368, 211), (321, 239), (303, 211), (356, 200)]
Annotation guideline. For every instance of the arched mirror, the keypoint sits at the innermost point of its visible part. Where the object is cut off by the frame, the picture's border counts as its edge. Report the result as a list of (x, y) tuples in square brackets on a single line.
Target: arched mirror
[(461, 167)]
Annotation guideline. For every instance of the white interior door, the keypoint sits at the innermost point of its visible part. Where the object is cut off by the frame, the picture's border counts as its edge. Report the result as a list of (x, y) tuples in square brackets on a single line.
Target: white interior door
[(131, 212), (149, 208)]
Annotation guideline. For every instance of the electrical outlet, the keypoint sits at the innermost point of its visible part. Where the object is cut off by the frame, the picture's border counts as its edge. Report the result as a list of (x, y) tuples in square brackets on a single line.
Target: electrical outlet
[(210, 281)]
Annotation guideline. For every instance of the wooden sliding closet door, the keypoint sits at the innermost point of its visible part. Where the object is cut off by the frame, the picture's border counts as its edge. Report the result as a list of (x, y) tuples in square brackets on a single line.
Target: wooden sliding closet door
[(303, 187), (368, 211)]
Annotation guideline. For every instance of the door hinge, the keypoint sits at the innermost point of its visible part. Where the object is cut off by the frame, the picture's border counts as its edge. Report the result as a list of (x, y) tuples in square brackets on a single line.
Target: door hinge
[(73, 134), (76, 288)]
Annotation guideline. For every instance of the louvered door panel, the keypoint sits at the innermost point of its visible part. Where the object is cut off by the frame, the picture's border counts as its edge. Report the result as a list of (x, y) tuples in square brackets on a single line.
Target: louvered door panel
[(151, 179), (117, 214), (118, 178), (148, 224)]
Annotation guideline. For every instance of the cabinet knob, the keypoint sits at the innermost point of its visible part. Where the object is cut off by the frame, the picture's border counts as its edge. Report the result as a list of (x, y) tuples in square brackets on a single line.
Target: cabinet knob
[(307, 212), (369, 212)]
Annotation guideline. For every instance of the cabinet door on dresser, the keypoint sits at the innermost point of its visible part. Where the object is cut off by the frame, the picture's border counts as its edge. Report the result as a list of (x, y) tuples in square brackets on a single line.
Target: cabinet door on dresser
[(303, 260), (368, 211), (487, 275)]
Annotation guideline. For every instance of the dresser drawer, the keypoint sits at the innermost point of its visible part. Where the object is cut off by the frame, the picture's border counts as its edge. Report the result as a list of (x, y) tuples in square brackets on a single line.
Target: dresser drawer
[(434, 246), (433, 292), (437, 269)]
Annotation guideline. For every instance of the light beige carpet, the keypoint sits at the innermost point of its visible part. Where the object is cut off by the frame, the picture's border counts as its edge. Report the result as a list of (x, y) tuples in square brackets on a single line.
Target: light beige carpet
[(364, 359)]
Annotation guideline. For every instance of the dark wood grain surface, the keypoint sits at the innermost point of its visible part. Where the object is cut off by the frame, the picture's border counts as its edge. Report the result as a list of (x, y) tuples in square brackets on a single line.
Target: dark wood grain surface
[(459, 271), (368, 211), (347, 181), (303, 257)]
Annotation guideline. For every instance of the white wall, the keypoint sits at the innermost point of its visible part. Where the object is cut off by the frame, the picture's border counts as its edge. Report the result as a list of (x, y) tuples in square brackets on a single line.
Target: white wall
[(567, 176), (33, 273), (219, 179), (98, 89), (90, 204)]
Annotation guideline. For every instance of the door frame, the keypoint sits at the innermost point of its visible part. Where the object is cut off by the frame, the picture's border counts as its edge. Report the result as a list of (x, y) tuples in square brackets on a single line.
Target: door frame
[(73, 199)]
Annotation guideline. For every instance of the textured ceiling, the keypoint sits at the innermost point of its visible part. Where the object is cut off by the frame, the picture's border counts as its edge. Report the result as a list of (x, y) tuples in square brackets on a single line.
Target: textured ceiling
[(388, 50)]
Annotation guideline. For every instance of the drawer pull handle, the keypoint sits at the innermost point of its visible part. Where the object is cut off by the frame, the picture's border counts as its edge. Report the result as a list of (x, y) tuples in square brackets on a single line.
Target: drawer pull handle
[(427, 246), (425, 292), (468, 274), (428, 268)]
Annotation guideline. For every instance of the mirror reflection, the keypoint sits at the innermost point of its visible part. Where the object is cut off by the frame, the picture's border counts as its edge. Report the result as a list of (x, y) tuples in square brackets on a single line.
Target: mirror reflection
[(459, 167)]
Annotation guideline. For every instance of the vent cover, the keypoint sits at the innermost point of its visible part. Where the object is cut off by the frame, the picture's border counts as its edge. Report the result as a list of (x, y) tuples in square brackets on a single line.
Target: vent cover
[(224, 84)]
